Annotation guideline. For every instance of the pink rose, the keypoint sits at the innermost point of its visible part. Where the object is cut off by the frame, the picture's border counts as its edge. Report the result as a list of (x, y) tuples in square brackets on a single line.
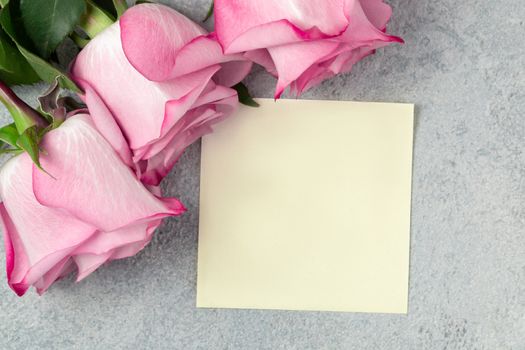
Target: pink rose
[(303, 42), (91, 211), (164, 80)]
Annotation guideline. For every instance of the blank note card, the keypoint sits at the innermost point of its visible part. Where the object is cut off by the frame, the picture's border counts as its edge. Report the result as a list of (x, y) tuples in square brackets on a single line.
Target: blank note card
[(305, 205)]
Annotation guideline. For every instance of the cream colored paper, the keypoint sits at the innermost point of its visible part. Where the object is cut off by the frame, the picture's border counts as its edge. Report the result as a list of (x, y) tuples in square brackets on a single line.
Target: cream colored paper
[(305, 205)]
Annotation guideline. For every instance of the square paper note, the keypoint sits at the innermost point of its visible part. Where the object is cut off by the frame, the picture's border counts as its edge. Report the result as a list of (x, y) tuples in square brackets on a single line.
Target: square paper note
[(305, 205)]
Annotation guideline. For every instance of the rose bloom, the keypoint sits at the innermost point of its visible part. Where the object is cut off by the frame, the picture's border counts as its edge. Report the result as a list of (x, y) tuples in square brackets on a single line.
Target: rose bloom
[(165, 81), (303, 42), (89, 209)]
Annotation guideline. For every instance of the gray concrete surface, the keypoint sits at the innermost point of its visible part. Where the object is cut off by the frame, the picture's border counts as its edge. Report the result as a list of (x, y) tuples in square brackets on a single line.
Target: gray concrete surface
[(464, 67)]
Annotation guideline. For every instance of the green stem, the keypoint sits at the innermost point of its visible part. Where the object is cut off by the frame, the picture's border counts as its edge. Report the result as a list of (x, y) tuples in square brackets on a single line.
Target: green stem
[(23, 115), (94, 20)]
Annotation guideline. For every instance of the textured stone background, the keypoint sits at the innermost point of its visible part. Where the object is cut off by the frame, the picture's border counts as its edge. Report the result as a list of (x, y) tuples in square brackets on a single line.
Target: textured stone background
[(463, 65)]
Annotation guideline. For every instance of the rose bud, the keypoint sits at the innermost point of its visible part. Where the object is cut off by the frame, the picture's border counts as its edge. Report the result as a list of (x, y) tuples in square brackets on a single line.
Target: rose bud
[(165, 80), (88, 209), (303, 42)]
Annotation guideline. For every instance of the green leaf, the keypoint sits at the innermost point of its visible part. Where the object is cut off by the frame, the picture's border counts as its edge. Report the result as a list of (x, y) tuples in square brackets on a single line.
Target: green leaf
[(43, 69), (210, 12), (244, 95), (14, 68), (9, 134), (48, 22), (3, 2), (29, 142)]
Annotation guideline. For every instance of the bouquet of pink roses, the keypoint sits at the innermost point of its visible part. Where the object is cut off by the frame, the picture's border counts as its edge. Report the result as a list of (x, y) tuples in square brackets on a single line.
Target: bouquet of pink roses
[(81, 187)]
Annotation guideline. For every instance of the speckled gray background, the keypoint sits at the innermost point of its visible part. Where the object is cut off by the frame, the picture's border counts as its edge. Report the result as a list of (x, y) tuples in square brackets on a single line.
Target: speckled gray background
[(463, 65)]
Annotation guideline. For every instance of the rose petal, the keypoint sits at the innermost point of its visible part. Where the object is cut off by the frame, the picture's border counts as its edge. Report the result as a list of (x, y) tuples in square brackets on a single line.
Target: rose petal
[(162, 44), (40, 237), (106, 124), (377, 12), (262, 57), (232, 73), (243, 25), (58, 271), (83, 163), (139, 110), (88, 263), (289, 68), (152, 36), (103, 242)]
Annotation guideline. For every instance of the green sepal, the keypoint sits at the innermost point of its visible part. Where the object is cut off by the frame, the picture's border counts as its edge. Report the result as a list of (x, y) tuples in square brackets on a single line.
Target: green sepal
[(29, 141), (43, 69), (244, 95), (14, 151), (120, 6), (94, 20), (210, 12), (9, 134)]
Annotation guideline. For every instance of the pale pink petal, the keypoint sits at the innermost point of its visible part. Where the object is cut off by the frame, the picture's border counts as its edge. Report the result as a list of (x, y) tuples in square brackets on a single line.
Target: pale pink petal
[(103, 242), (106, 124), (132, 249), (199, 123), (361, 28), (58, 271), (217, 103), (378, 12), (294, 59), (88, 263), (203, 52), (40, 237), (244, 25), (262, 57), (83, 163), (176, 108), (139, 109), (232, 73)]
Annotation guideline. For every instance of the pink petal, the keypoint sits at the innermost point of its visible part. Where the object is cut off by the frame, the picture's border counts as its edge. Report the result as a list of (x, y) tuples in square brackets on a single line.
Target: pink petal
[(262, 57), (244, 25), (88, 263), (199, 124), (103, 242), (294, 59), (106, 124), (58, 271), (215, 104), (152, 36), (176, 108), (377, 12), (361, 28), (232, 73), (132, 249), (162, 44), (39, 237), (84, 164), (139, 110)]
